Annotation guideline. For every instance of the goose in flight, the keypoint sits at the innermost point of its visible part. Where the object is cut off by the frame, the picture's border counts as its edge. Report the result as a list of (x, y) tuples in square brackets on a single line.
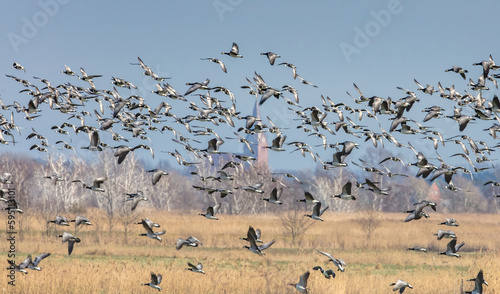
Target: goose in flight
[(393, 158), (459, 70), (95, 142), (309, 199), (148, 222), (148, 71), (67, 70), (295, 93), (339, 263), (213, 146), (248, 143), (215, 60), (317, 212), (60, 221), (425, 203), (235, 51), (346, 193), (211, 212), (337, 161), (157, 174), (223, 176), (155, 282), (275, 196), (149, 231), (400, 285), (81, 220), (86, 77), (135, 198), (54, 178), (444, 234), (452, 248), (190, 241), (303, 81), (268, 94), (301, 286), (32, 264), (253, 245), (375, 189), (289, 175), (294, 69), (197, 86), (122, 83), (96, 186), (463, 121), (327, 273), (6, 178), (254, 233), (195, 268), (416, 214), (450, 222), (122, 151), (277, 144), (428, 89), (39, 148), (253, 189), (250, 121), (478, 285), (417, 248), (67, 237), (487, 65), (271, 56), (16, 267), (17, 66)]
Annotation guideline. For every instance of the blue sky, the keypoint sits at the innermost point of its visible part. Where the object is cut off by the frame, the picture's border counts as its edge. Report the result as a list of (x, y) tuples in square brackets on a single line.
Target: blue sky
[(376, 44)]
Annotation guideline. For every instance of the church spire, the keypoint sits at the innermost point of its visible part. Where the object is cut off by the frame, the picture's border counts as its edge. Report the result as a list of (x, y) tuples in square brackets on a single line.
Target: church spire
[(260, 140)]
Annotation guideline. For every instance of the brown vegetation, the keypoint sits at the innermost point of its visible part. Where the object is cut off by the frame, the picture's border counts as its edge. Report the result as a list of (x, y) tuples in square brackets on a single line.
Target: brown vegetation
[(104, 263)]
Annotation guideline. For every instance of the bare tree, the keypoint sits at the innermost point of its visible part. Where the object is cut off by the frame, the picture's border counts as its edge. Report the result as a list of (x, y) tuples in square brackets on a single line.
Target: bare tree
[(105, 200), (369, 221), (126, 216), (22, 170), (128, 177), (46, 197), (65, 191), (324, 184), (294, 223), (246, 202)]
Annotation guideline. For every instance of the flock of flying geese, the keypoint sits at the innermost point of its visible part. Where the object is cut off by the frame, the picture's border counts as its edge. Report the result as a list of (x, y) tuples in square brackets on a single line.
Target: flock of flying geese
[(138, 119)]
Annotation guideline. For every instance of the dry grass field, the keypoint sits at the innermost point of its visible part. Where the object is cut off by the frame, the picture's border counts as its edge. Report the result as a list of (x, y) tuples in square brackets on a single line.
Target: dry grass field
[(103, 263)]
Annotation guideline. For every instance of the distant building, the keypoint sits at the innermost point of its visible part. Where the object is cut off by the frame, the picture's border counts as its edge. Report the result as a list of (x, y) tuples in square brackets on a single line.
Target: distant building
[(434, 193), (260, 140)]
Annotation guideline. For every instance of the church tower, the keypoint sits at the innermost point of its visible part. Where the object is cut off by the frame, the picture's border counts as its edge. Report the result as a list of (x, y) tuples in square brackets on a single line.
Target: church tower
[(260, 140)]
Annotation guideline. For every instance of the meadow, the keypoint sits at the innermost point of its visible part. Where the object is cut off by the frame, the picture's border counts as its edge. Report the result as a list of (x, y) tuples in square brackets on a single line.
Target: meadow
[(104, 263)]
